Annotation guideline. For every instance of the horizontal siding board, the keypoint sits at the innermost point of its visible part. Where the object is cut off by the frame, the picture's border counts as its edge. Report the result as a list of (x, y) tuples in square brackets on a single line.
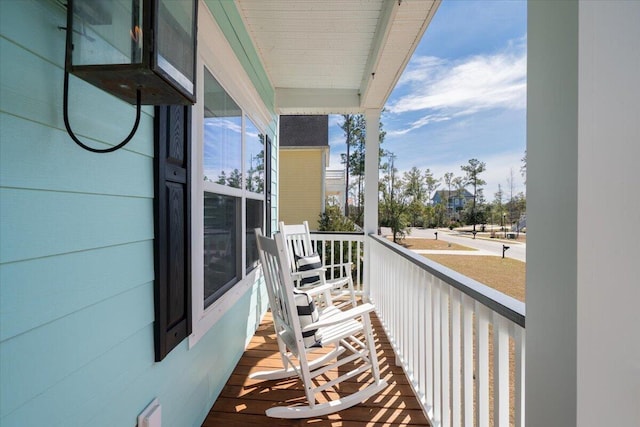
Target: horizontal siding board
[(37, 292), (114, 387), (52, 352), (187, 390), (49, 160), (28, 92), (43, 223), (42, 36), (90, 391)]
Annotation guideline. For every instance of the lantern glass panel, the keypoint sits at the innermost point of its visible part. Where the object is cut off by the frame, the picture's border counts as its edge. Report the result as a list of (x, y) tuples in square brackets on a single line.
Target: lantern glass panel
[(176, 41), (107, 32)]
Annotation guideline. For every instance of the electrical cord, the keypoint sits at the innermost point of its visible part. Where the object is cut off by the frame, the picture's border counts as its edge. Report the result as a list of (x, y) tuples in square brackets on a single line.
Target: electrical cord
[(65, 108)]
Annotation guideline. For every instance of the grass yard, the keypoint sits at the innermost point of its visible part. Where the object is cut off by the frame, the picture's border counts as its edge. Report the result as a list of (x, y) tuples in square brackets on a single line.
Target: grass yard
[(505, 275), (431, 244)]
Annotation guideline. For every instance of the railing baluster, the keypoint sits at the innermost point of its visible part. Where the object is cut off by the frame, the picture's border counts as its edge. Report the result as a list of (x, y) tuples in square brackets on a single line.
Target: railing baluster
[(456, 366), (467, 356), (422, 336), (500, 371), (431, 402), (482, 365), (519, 356), (418, 327), (446, 347), (437, 352)]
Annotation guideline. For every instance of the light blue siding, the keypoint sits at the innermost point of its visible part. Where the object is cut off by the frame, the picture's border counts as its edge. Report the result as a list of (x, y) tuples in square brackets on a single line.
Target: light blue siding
[(76, 251)]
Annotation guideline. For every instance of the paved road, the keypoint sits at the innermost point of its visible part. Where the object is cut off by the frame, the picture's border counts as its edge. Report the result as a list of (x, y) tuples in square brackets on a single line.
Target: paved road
[(516, 250)]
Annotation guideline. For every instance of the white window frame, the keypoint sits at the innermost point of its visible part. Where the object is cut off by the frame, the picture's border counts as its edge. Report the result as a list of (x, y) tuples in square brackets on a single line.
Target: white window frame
[(215, 53)]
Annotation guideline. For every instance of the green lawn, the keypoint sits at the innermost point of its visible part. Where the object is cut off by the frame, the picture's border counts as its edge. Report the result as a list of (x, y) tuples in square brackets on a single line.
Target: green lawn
[(506, 275)]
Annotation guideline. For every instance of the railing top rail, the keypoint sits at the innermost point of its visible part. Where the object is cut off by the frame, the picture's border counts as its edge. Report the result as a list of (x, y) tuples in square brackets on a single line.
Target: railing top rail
[(504, 305), (329, 233)]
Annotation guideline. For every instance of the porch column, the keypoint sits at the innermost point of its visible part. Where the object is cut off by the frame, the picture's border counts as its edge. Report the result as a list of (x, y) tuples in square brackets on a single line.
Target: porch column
[(372, 145), (583, 344)]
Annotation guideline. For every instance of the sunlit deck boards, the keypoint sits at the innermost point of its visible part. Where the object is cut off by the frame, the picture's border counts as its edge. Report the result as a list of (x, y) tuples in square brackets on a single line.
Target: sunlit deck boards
[(243, 400)]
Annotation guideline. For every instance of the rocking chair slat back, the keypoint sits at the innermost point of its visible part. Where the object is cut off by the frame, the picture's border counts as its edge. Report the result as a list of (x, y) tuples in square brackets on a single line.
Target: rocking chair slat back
[(280, 299), (298, 241)]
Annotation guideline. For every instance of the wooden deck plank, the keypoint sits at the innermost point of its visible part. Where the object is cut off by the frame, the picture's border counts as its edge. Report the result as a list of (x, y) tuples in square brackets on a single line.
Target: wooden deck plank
[(243, 401)]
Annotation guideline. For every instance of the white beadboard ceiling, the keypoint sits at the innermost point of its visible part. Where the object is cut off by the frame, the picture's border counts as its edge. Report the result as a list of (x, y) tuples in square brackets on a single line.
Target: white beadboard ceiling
[(334, 56)]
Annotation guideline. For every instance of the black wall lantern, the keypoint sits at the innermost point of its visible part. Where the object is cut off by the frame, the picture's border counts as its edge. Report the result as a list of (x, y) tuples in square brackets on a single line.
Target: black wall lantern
[(141, 51)]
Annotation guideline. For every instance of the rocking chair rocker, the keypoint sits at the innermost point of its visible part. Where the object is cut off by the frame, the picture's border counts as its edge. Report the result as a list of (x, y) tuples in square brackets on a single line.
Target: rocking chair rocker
[(301, 330)]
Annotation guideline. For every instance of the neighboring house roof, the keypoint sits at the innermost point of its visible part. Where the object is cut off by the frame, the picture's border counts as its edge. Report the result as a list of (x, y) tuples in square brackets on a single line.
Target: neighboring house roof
[(304, 131)]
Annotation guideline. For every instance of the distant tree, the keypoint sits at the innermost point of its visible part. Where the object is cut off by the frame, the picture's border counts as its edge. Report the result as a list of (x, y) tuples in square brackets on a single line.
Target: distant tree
[(415, 191), (235, 179), (354, 128), (523, 167), (332, 219), (498, 195), (255, 174), (476, 214), (511, 186), (349, 127), (415, 185), (472, 177), (393, 209), (448, 179), (440, 215), (431, 183), (222, 178), (498, 206)]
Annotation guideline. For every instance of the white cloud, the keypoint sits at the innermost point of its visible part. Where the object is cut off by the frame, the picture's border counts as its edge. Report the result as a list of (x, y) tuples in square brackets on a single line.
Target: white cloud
[(430, 118), (231, 125), (445, 89)]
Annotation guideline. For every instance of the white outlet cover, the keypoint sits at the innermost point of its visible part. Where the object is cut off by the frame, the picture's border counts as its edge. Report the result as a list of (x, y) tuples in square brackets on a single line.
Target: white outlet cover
[(151, 416)]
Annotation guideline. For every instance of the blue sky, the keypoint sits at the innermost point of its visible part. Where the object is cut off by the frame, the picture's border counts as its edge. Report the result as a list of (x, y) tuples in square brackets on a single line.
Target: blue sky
[(462, 95)]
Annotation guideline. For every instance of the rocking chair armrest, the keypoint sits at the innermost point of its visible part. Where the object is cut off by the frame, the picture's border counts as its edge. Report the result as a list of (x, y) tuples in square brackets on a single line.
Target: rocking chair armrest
[(316, 290), (341, 317)]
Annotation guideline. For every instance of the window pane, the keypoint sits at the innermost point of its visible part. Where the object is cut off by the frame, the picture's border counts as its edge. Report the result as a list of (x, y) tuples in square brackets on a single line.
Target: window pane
[(222, 148), (254, 220), (254, 158), (220, 245)]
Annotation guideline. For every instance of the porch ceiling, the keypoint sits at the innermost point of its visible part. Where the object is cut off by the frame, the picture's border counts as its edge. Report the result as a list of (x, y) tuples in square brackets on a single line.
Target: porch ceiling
[(334, 56)]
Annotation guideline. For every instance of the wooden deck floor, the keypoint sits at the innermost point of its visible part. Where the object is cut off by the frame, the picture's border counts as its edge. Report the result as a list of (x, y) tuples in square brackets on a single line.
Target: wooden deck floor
[(243, 401)]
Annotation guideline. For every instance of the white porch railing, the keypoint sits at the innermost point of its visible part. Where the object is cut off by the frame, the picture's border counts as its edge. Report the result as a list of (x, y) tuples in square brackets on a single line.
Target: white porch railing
[(453, 336), (338, 248)]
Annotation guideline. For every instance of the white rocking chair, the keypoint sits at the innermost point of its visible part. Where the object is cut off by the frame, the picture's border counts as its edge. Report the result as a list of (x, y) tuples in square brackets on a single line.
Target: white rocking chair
[(299, 246), (299, 334)]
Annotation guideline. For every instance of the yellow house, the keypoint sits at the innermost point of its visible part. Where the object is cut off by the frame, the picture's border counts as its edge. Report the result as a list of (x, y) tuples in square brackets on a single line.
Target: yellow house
[(304, 156)]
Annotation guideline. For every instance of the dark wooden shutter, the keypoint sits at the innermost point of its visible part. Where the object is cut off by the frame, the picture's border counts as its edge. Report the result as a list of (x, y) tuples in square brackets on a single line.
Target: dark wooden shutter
[(267, 184), (172, 216)]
